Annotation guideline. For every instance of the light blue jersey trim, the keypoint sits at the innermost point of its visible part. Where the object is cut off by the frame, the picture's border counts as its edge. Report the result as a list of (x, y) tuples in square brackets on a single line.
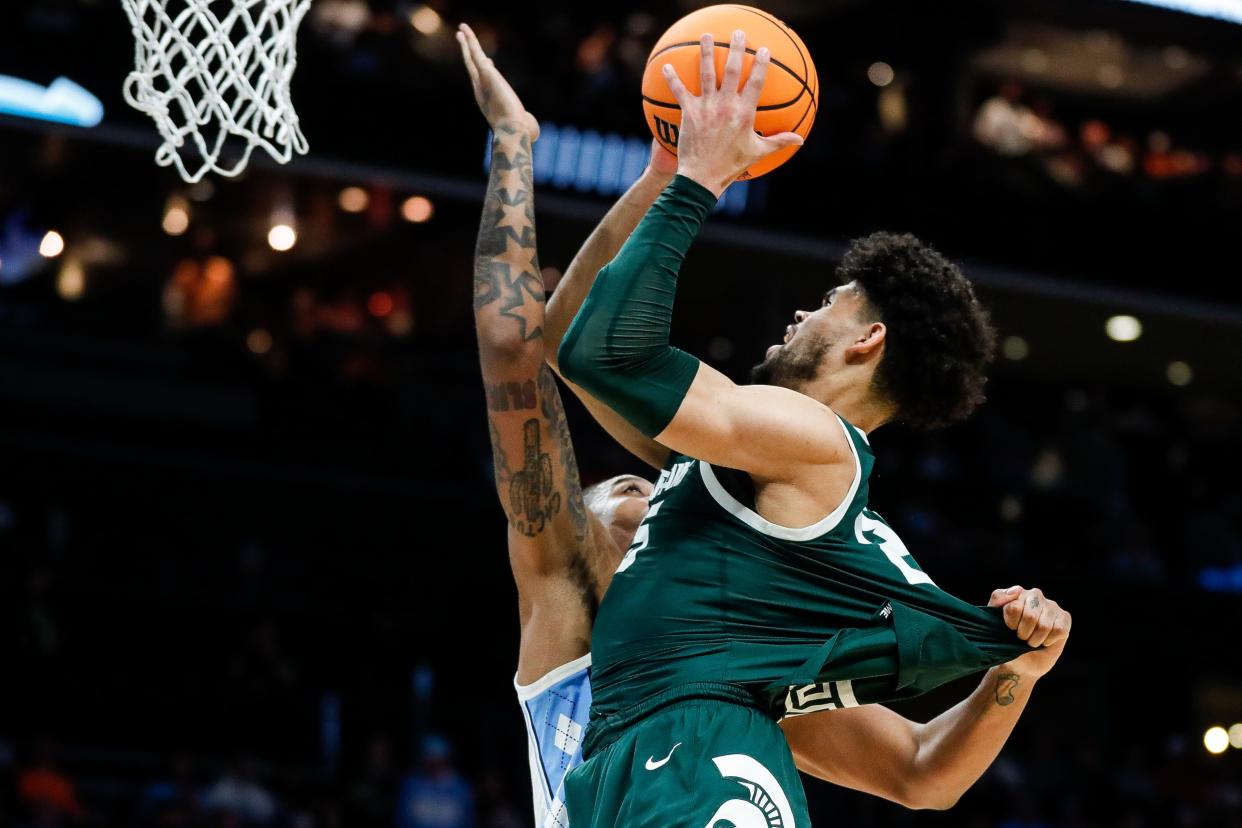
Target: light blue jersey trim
[(557, 709)]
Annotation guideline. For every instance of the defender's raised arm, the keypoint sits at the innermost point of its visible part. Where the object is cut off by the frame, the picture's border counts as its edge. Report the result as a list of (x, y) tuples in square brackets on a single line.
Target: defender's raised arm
[(536, 472)]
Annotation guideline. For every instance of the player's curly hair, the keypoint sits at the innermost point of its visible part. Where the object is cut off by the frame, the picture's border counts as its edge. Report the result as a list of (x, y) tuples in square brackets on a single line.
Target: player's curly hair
[(940, 339)]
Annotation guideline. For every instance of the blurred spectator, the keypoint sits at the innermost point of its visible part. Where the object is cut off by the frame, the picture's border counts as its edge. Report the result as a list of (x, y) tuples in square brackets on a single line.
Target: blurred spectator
[(260, 671), (237, 798), (46, 795), (436, 795), (496, 809), (372, 794), (38, 632), (1010, 128), (172, 802)]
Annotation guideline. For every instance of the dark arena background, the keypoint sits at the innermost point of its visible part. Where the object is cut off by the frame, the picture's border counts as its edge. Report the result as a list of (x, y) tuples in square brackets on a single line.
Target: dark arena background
[(252, 569)]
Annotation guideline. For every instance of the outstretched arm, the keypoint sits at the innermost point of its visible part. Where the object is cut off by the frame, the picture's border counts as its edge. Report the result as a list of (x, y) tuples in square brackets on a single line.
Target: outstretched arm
[(600, 247), (931, 765), (617, 347), (536, 473)]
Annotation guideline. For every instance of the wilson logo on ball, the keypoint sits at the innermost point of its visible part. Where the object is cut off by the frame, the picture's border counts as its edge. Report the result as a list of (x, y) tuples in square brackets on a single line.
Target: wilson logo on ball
[(790, 97), (666, 132)]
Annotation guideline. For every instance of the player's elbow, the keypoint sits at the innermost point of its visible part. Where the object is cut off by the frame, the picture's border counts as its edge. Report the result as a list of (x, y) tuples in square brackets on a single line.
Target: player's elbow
[(931, 800), (926, 792), (509, 350)]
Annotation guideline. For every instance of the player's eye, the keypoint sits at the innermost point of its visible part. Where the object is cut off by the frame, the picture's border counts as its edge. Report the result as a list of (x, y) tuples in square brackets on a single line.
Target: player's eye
[(633, 488)]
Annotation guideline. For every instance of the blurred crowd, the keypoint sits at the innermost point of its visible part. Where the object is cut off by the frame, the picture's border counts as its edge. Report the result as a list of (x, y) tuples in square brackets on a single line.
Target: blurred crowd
[(252, 571), (243, 709), (1044, 779), (1016, 125)]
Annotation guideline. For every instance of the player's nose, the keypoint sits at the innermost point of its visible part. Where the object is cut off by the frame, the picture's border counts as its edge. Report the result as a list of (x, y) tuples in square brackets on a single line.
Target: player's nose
[(800, 315)]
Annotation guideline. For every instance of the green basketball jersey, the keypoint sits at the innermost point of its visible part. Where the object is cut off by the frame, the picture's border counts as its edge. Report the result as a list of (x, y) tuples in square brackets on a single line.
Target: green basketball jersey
[(829, 615)]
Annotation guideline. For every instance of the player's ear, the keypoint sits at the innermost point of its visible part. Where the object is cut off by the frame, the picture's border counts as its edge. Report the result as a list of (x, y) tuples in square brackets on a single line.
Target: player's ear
[(868, 344)]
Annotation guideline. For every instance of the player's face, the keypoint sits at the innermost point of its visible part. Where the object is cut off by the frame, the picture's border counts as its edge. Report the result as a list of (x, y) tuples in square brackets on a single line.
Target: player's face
[(810, 343), (621, 504)]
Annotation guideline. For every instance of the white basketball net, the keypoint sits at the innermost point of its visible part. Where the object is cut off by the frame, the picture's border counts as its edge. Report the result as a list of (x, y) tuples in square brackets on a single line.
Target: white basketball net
[(210, 70)]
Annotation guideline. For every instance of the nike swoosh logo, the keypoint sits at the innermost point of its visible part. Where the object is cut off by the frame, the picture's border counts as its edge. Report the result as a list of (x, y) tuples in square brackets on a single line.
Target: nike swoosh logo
[(652, 764)]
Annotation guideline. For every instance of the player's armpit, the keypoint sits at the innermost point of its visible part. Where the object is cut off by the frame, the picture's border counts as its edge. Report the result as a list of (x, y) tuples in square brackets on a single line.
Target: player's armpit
[(764, 430)]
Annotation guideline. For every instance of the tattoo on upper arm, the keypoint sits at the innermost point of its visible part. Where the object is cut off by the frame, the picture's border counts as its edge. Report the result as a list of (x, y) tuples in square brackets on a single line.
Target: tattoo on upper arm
[(1006, 684), (506, 265)]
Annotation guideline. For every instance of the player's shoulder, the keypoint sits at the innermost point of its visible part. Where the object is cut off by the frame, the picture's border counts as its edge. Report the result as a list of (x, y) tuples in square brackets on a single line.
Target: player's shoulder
[(827, 433)]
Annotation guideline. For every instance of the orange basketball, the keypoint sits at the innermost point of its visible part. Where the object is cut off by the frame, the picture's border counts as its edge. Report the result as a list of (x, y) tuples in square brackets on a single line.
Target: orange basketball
[(790, 94)]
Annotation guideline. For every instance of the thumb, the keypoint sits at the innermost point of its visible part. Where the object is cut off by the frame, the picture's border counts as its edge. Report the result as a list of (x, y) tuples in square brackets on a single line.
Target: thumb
[(779, 141), (1001, 597)]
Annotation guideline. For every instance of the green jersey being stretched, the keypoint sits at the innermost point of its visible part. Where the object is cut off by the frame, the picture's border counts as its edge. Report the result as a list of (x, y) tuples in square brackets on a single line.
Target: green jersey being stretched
[(829, 615)]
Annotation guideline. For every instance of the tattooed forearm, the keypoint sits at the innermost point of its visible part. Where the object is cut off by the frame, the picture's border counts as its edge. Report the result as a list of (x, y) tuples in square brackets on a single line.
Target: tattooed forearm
[(1006, 684), (554, 413), (510, 396), (533, 499), (508, 287)]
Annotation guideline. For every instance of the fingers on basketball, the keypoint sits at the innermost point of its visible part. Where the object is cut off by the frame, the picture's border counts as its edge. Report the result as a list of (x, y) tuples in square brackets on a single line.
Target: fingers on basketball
[(786, 101)]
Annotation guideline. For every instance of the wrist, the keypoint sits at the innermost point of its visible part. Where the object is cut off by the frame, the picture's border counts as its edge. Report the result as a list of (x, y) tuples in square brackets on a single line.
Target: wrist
[(705, 179), (653, 175), (507, 129), (1016, 668)]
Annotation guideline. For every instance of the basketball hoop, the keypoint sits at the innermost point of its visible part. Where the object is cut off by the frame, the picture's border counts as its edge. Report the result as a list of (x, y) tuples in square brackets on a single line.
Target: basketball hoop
[(208, 71)]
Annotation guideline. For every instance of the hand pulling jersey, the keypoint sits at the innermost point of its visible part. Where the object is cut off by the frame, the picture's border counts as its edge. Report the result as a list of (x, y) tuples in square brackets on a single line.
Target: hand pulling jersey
[(829, 615)]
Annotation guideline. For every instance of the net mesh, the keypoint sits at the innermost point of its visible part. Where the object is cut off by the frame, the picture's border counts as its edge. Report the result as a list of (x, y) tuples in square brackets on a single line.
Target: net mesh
[(215, 75)]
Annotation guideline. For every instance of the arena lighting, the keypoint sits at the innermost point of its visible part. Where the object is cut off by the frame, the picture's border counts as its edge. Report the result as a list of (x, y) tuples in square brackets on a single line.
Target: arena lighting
[(1035, 61), (1235, 735), (176, 216), (1216, 740), (1221, 579), (880, 73), (1230, 10), (426, 20), (1015, 348), (282, 237), (71, 281), (1123, 328), (64, 102), (259, 342), (380, 304), (1111, 76), (607, 164), (354, 199), (1179, 373), (53, 245), (417, 209)]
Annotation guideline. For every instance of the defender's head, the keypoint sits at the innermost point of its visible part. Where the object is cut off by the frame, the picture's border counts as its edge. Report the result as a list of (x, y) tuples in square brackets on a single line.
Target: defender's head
[(621, 504), (904, 332)]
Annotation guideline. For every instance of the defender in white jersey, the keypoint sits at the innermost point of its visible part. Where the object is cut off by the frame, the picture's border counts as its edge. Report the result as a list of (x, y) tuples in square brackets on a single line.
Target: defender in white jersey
[(565, 544)]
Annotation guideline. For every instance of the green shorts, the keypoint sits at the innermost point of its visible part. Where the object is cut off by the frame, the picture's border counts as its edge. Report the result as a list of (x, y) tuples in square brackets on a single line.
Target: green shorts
[(693, 762)]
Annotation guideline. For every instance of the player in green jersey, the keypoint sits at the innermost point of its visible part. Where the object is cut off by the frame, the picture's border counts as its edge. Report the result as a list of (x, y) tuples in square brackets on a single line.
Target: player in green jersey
[(760, 585), (565, 544)]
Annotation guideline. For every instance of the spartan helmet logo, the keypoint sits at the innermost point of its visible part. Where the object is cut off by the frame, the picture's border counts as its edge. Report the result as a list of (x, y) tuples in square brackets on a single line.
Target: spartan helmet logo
[(765, 805)]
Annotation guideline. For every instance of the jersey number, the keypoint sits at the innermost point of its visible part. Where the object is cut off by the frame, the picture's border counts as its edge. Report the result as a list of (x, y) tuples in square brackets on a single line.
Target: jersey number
[(641, 538), (892, 547)]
